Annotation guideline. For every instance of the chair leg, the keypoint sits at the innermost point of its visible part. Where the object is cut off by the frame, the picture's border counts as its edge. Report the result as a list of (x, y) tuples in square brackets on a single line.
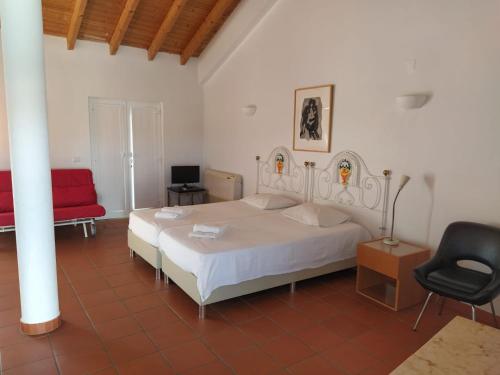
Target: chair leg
[(85, 230), (494, 313), (422, 311), (443, 299), (473, 312)]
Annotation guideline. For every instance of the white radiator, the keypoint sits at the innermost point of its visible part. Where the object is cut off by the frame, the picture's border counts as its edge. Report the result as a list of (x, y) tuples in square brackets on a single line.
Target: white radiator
[(222, 186)]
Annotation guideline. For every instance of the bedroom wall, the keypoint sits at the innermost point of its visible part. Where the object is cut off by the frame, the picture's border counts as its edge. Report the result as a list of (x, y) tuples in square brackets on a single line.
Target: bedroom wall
[(90, 71), (449, 147)]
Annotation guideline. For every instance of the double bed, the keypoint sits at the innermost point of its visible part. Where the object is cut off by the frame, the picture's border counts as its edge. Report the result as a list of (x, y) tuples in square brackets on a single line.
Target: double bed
[(262, 249)]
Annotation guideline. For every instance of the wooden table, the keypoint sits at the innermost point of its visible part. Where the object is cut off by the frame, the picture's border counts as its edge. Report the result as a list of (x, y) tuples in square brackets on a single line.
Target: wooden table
[(461, 347), (385, 273)]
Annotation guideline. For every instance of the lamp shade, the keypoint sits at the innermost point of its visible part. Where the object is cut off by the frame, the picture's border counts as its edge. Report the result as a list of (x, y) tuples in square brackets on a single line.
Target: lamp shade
[(404, 180)]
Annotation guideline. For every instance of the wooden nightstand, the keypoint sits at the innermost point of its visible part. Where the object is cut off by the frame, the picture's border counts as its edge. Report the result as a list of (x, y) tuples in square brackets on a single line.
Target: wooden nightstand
[(385, 273)]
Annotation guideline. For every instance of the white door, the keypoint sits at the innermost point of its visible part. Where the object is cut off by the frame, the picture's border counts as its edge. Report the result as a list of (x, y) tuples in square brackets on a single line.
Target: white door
[(146, 147), (110, 154)]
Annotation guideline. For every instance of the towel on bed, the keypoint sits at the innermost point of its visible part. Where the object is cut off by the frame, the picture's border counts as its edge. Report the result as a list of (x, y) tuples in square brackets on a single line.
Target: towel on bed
[(207, 231), (173, 213)]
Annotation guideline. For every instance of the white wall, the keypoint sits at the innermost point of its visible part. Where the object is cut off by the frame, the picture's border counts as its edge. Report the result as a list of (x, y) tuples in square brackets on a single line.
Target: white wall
[(361, 46), (90, 71)]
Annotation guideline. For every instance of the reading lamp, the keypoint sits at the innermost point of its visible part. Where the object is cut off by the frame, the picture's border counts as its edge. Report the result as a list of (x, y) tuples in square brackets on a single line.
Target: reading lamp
[(391, 240)]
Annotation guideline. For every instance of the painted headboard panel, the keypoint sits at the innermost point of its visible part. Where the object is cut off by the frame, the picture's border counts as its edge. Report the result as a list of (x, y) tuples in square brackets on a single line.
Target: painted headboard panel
[(347, 181), (279, 171)]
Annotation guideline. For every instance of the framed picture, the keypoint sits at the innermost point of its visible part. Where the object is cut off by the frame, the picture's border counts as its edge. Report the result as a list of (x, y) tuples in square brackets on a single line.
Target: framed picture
[(313, 118)]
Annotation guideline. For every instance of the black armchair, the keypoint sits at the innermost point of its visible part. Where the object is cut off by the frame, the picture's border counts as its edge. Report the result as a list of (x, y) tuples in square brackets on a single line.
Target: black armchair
[(443, 276)]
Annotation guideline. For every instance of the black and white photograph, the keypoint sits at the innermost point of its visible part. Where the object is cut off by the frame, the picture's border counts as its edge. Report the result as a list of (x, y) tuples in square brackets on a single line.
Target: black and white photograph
[(313, 115)]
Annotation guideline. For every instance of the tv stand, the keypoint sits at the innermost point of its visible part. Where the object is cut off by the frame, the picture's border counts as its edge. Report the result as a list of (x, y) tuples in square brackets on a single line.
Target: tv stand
[(185, 195)]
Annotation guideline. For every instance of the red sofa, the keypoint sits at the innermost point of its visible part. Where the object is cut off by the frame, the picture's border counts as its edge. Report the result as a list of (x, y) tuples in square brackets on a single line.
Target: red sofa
[(74, 198)]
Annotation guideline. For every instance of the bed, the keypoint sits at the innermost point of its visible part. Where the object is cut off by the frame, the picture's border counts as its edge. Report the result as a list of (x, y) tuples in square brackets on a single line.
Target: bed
[(262, 252), (144, 229)]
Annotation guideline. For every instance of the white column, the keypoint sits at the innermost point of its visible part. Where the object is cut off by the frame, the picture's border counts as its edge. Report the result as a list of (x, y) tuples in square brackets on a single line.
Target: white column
[(24, 75)]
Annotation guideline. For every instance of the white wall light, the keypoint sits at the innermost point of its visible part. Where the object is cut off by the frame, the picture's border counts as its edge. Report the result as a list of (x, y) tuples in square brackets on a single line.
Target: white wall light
[(414, 101), (249, 110)]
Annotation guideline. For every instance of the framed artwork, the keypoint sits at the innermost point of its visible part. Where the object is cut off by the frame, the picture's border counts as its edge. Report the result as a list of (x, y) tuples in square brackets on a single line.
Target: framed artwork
[(313, 118)]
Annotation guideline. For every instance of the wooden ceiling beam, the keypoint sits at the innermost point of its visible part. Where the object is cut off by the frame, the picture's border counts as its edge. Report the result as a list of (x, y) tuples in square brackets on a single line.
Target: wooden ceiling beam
[(205, 28), (122, 25), (166, 26), (75, 23)]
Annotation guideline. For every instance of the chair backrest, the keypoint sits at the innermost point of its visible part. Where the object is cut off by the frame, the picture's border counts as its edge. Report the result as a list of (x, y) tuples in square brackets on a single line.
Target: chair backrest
[(471, 241)]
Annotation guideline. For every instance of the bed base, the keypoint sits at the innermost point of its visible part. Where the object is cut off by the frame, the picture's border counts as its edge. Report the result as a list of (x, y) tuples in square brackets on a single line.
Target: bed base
[(187, 281), (146, 251)]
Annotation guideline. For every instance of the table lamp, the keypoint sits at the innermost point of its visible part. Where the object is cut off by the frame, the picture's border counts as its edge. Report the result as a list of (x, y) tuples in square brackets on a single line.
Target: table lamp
[(391, 240)]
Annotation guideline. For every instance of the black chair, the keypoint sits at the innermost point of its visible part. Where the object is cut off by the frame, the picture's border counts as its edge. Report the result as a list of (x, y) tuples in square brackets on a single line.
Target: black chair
[(443, 276)]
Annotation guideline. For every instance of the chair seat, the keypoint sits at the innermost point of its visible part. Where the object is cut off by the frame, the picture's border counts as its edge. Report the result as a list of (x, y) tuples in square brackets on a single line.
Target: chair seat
[(463, 280)]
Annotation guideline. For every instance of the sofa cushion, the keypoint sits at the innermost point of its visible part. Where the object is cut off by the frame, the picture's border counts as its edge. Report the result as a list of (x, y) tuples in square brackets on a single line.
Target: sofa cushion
[(74, 196), (80, 212), (6, 219), (6, 202), (71, 177), (5, 181)]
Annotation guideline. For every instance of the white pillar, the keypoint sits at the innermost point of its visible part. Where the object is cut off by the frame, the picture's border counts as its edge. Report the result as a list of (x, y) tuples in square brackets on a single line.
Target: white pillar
[(24, 75)]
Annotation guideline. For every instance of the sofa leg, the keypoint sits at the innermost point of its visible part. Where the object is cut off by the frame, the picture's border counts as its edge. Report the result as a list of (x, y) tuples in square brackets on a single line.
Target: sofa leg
[(92, 228), (85, 234)]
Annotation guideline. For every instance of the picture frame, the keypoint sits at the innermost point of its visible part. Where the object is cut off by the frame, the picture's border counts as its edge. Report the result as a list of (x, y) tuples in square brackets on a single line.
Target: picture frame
[(313, 112)]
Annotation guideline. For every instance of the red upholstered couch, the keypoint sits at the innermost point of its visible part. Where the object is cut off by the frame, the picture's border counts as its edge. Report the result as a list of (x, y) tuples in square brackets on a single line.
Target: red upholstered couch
[(74, 198)]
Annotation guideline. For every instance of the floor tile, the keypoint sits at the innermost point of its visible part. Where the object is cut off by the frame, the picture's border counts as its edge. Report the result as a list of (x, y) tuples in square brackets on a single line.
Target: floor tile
[(314, 365), (131, 347), (33, 350), (43, 367), (251, 361), (152, 364), (171, 334), (155, 317), (290, 320), (214, 368), (83, 363), (287, 350), (117, 328), (227, 341), (261, 329), (100, 297), (107, 312), (318, 338), (144, 302), (132, 290), (342, 325), (189, 355), (349, 357)]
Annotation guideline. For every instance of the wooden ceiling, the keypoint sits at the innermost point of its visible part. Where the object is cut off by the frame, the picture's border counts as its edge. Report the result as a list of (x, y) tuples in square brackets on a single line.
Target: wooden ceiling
[(182, 27)]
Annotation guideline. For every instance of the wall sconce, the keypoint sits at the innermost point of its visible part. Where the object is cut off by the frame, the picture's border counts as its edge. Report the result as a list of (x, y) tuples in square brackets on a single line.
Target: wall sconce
[(414, 101), (249, 110)]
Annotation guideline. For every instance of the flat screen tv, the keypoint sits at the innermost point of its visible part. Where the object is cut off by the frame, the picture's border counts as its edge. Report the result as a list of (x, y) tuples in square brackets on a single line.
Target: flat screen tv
[(185, 174)]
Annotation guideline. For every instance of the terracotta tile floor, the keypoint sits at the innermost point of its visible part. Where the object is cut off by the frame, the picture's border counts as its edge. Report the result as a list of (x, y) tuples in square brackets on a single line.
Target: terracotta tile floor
[(119, 320)]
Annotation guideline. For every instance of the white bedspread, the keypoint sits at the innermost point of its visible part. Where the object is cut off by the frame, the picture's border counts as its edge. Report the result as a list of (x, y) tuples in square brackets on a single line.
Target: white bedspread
[(258, 246), (144, 225)]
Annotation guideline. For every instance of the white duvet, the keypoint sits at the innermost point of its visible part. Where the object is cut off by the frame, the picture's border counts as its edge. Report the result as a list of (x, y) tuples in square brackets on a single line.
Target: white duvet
[(257, 246), (144, 225)]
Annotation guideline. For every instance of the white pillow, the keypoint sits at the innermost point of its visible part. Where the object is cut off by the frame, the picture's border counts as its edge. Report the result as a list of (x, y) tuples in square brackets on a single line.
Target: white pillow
[(269, 201), (316, 215)]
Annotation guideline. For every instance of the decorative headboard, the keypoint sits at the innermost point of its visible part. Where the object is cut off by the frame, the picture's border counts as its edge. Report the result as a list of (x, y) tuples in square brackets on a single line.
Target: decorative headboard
[(280, 172), (345, 180)]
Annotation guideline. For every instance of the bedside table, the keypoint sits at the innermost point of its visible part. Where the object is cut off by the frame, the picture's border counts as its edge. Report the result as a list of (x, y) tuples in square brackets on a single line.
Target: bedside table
[(385, 273)]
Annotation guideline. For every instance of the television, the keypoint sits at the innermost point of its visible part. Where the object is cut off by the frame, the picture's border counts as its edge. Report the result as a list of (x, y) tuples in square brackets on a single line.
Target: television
[(185, 174)]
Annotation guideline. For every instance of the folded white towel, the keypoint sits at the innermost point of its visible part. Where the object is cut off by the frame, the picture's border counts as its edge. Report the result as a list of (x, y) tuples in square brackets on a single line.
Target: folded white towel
[(205, 228), (175, 210), (212, 236), (205, 234)]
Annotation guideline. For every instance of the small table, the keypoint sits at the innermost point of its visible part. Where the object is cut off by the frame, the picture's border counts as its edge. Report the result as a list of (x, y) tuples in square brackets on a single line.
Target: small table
[(459, 348), (182, 196), (385, 273)]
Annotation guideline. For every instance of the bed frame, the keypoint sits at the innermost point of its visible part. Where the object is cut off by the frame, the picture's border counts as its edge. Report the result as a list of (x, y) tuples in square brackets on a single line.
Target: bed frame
[(280, 172)]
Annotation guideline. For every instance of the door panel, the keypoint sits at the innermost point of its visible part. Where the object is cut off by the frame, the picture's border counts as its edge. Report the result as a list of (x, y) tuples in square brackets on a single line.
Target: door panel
[(109, 147), (146, 145)]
